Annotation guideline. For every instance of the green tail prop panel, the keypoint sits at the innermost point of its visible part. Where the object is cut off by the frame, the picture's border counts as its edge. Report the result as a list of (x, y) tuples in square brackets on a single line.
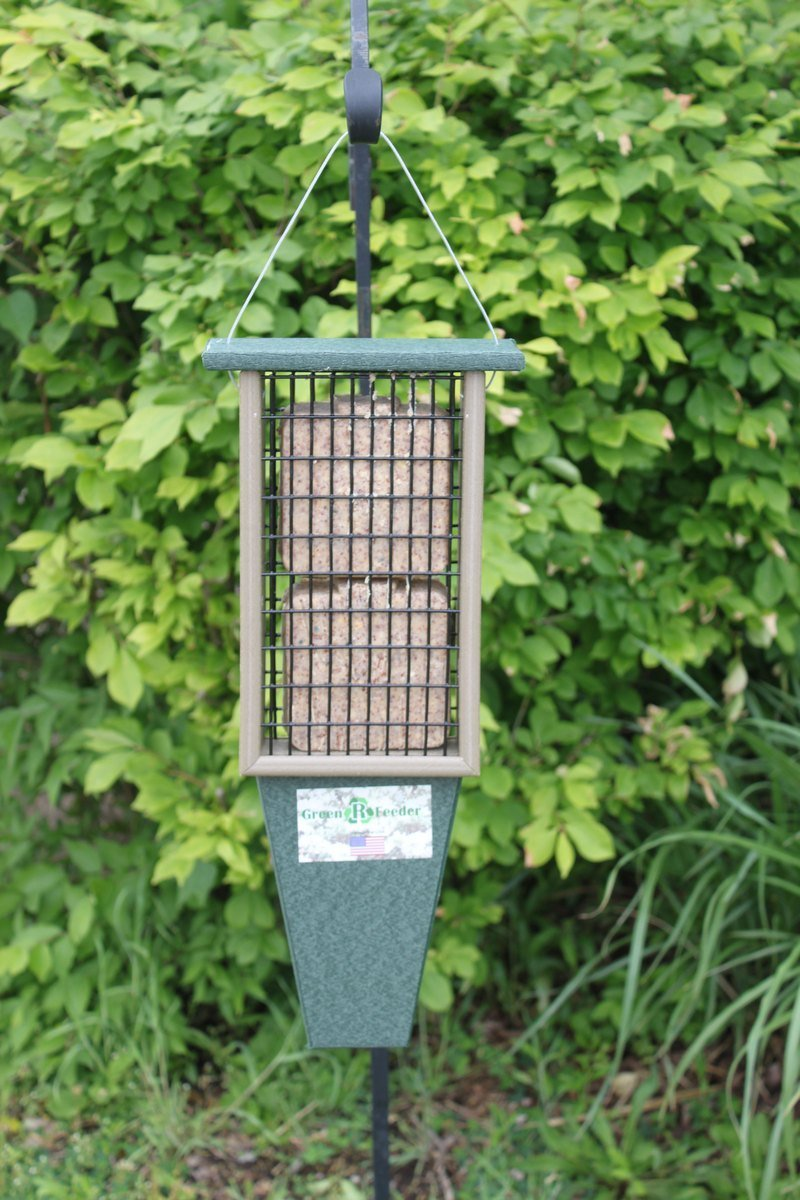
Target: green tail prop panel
[(358, 927)]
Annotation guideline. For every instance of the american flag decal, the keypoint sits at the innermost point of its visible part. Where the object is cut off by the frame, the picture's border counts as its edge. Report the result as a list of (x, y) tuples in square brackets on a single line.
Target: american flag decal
[(366, 845)]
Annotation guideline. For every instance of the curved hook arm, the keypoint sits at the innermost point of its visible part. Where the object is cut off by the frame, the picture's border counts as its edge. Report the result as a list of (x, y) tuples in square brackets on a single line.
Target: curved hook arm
[(363, 87)]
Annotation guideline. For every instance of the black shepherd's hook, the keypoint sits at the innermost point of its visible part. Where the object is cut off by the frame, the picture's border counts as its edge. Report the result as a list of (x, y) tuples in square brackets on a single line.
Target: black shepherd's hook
[(363, 101)]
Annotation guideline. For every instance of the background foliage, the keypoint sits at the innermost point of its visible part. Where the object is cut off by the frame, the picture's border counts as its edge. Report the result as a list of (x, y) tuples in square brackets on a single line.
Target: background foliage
[(622, 182)]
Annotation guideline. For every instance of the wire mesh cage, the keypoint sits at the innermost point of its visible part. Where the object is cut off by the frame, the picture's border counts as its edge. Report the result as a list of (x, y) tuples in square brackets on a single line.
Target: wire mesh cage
[(361, 564), (361, 494)]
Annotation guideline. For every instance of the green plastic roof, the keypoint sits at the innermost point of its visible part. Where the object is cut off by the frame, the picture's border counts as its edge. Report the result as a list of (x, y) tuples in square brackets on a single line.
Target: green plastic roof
[(362, 354)]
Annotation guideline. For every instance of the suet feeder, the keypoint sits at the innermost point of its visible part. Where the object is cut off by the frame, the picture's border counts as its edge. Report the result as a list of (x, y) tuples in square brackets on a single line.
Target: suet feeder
[(361, 489), (361, 476)]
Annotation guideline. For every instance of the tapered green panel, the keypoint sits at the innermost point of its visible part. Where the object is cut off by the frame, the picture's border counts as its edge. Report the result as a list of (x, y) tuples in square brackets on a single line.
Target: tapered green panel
[(359, 929)]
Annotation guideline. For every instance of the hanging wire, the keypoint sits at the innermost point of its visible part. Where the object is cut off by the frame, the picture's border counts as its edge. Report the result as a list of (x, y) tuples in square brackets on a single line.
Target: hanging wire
[(441, 234), (290, 226), (293, 221)]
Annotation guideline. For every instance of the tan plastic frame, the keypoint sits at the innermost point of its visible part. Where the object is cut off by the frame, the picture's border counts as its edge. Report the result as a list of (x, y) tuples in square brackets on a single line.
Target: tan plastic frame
[(252, 757)]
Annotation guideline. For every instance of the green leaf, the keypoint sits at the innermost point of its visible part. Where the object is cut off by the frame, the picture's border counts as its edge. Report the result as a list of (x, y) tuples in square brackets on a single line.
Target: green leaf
[(125, 679), (37, 358), (153, 299), (236, 857), (593, 293), (436, 991), (788, 359), (20, 57), (650, 427), (54, 455), (607, 367), (320, 125), (662, 348), (154, 428), (764, 370), (609, 431), (580, 792), (105, 771), (81, 919), (201, 422), (147, 637), (539, 840), (541, 345), (40, 962), (769, 588), (95, 491), (237, 911), (102, 650), (592, 841), (458, 957), (497, 781), (487, 719), (755, 324), (706, 116), (29, 608), (605, 212), (36, 935), (304, 79), (611, 312), (85, 856), (83, 419), (613, 257), (562, 468), (714, 192), (77, 990), (18, 314), (578, 509), (13, 960), (537, 654), (103, 313), (568, 212), (124, 283), (775, 495), (564, 854), (740, 173), (502, 564), (736, 680), (32, 539)]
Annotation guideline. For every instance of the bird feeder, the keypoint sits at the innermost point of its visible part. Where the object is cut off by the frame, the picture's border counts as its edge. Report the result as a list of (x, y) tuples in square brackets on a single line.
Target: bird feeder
[(361, 476)]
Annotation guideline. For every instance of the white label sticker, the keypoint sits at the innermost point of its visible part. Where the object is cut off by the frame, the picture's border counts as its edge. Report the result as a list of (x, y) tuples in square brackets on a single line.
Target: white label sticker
[(345, 824)]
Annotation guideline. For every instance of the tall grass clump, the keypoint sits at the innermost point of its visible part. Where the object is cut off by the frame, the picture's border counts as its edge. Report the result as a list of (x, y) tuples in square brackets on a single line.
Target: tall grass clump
[(708, 944)]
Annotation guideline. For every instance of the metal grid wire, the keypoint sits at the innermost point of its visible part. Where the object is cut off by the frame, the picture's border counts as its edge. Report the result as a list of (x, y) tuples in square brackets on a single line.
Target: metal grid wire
[(362, 478)]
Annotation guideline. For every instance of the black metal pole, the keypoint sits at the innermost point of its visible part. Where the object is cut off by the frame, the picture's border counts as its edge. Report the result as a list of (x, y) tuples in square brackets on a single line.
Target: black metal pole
[(361, 175), (360, 197), (380, 1123), (361, 191), (361, 179)]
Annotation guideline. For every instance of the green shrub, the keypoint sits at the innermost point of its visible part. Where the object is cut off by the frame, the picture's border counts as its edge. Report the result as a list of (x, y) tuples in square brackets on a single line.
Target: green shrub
[(622, 183)]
